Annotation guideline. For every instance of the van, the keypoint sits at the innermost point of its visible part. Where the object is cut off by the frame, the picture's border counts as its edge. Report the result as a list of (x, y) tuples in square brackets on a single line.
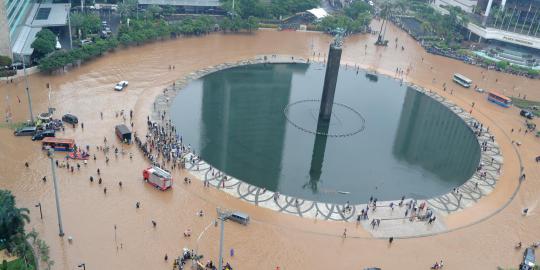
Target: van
[(25, 131), (42, 134), (239, 217)]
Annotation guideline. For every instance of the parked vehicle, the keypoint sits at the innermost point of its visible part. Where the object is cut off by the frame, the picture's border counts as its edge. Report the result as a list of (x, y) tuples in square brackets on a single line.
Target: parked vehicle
[(239, 217), (25, 131), (121, 85), (40, 135), (123, 133), (529, 260), (526, 114), (158, 177), (70, 118), (86, 41)]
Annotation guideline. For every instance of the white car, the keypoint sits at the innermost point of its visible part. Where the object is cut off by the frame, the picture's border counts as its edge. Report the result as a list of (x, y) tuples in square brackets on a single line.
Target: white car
[(121, 85)]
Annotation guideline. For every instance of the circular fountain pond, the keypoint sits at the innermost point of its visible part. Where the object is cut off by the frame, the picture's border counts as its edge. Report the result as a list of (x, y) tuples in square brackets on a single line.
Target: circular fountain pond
[(259, 123)]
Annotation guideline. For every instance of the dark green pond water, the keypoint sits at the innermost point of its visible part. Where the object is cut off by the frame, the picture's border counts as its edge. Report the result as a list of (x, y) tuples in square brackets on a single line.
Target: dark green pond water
[(398, 142)]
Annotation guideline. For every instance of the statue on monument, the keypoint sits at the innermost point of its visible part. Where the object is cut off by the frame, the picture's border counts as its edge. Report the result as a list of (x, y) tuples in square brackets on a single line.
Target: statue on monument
[(339, 34)]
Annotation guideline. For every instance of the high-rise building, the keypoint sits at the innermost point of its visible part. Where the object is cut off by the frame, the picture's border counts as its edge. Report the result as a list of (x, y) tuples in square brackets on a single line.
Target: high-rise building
[(13, 14), (21, 20)]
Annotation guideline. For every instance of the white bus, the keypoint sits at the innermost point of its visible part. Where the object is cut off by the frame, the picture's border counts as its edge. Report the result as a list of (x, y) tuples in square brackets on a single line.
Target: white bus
[(462, 80)]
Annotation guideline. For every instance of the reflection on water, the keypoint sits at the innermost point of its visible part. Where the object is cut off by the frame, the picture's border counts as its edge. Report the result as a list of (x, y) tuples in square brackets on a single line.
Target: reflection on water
[(411, 145), (425, 129)]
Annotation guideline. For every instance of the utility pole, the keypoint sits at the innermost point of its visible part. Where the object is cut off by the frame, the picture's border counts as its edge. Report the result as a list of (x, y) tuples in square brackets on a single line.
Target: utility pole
[(222, 216), (68, 7), (60, 228), (26, 83)]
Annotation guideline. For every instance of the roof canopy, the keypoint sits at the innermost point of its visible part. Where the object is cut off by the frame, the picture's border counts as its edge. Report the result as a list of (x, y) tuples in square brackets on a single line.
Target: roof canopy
[(319, 13)]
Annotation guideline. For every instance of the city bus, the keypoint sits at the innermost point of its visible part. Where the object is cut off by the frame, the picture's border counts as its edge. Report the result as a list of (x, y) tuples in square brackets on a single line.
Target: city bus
[(58, 144), (499, 99), (462, 80)]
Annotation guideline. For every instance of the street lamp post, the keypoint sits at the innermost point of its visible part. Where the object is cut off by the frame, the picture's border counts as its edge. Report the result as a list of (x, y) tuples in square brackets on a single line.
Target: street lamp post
[(68, 7), (222, 216), (50, 153), (40, 212), (26, 81)]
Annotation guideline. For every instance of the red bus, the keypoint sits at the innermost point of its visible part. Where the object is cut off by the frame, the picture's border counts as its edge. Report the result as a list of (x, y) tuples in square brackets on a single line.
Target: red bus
[(499, 99), (58, 144)]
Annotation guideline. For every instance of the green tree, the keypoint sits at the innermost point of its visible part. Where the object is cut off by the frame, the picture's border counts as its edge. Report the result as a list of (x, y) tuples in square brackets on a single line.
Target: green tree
[(152, 11), (357, 8), (5, 60), (252, 23), (87, 23), (125, 39), (44, 43), (127, 8), (12, 219)]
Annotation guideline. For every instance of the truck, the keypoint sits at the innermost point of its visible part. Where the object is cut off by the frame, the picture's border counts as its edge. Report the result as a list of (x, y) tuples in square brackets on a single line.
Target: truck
[(158, 177)]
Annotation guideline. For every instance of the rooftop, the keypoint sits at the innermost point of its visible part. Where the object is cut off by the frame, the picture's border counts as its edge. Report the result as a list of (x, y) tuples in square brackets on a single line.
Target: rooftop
[(319, 13), (46, 15), (198, 3)]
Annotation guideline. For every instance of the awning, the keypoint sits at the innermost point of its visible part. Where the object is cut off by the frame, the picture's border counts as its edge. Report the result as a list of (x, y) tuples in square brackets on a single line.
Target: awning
[(23, 43), (319, 13)]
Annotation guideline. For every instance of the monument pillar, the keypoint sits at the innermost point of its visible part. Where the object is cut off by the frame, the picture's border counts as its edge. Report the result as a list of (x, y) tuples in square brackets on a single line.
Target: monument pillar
[(330, 80)]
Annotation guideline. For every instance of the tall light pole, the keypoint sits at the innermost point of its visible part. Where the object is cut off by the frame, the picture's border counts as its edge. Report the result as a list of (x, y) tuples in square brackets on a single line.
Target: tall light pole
[(222, 216), (50, 153), (68, 7), (26, 78)]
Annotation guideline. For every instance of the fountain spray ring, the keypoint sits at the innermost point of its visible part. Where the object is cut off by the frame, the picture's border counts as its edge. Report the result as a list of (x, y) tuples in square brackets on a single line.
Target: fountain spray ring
[(349, 128)]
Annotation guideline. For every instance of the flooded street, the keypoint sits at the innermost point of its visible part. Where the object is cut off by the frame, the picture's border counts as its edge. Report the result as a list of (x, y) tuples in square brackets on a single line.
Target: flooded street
[(272, 239)]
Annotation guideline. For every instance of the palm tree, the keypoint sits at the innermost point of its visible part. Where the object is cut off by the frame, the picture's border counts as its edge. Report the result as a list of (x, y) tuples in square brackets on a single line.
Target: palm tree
[(12, 219), (127, 8)]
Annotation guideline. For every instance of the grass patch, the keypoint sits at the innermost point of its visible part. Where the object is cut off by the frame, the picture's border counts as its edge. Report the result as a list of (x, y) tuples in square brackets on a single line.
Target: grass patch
[(17, 264), (13, 126), (527, 104)]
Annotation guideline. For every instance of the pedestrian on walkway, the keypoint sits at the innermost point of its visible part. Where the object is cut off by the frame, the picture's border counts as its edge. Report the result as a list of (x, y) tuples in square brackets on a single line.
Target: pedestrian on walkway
[(345, 233)]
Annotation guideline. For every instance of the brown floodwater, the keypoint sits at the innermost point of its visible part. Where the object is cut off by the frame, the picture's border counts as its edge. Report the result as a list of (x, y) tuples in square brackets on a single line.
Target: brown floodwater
[(272, 239)]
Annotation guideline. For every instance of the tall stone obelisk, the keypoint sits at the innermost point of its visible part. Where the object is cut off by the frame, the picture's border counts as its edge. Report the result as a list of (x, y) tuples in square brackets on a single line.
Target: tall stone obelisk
[(330, 78)]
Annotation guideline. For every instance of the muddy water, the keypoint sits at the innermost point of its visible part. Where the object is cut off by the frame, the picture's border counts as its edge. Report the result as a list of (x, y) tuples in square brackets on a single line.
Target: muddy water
[(272, 239)]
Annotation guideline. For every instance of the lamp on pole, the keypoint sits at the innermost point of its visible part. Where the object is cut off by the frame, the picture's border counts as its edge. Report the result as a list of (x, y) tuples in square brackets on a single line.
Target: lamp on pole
[(40, 212), (68, 7), (83, 265), (50, 153), (26, 78), (222, 216)]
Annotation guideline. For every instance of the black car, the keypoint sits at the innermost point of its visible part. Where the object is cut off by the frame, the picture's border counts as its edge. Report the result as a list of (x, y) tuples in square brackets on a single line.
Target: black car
[(70, 118), (25, 131), (526, 114), (42, 134), (529, 260)]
